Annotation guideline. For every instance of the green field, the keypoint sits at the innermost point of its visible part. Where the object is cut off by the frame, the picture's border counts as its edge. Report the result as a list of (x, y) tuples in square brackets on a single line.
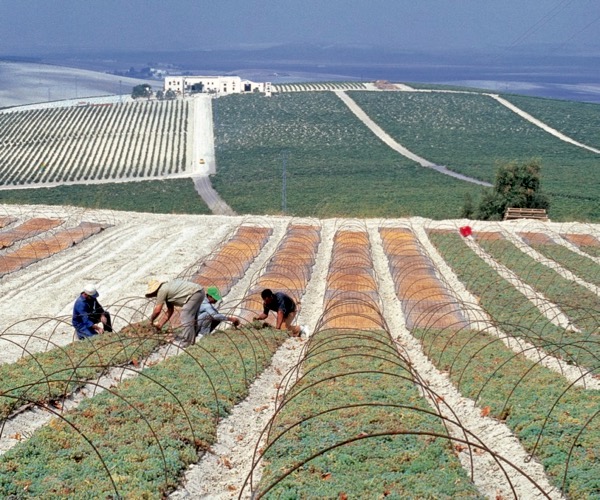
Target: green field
[(335, 166), (578, 120), (473, 134), (176, 196)]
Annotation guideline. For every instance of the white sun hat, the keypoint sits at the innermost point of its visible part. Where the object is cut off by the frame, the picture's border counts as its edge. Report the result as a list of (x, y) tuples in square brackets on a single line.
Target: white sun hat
[(90, 290)]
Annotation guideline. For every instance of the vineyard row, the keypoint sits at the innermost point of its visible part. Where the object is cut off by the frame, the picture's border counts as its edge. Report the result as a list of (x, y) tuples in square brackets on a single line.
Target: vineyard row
[(142, 139)]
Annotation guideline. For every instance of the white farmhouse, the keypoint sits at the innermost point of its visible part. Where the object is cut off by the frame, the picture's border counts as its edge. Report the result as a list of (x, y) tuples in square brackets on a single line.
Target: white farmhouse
[(219, 85)]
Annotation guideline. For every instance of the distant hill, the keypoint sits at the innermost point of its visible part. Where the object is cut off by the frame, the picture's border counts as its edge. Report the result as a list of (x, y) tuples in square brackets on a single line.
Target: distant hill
[(537, 71), (29, 82)]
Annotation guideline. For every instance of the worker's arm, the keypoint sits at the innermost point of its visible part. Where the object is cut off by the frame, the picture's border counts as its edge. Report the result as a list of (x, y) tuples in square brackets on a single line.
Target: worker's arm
[(279, 319), (234, 320), (261, 316), (156, 313)]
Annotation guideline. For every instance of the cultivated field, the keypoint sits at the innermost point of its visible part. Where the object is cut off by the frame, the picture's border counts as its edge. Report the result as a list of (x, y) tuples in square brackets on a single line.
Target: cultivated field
[(326, 149), (446, 129), (437, 366), (93, 142), (46, 84), (389, 151)]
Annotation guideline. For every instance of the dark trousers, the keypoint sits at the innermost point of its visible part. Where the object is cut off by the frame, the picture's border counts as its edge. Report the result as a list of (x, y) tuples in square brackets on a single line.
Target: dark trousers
[(95, 317)]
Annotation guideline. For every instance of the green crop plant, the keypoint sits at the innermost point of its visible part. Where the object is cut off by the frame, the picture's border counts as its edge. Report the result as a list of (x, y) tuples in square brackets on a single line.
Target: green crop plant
[(577, 120), (581, 305), (355, 425), (90, 142), (327, 149), (509, 309), (44, 377), (592, 250), (556, 422), (472, 134), (580, 265), (136, 440), (169, 196)]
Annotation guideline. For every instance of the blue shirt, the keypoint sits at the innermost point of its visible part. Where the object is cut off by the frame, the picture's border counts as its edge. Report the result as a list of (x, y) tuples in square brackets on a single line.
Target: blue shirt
[(86, 313)]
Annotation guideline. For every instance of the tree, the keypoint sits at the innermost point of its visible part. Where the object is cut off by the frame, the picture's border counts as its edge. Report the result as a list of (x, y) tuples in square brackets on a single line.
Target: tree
[(170, 94), (143, 90), (468, 209), (516, 186)]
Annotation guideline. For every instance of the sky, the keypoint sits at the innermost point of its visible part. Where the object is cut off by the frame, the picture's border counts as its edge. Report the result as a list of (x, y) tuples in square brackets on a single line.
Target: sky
[(37, 27)]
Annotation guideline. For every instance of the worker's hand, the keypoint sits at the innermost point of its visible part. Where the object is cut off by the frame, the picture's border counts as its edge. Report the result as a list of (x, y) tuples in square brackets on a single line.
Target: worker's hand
[(236, 322)]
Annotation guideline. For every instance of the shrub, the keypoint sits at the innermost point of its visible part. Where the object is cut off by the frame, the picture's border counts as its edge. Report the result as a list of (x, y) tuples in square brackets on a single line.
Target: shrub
[(517, 186)]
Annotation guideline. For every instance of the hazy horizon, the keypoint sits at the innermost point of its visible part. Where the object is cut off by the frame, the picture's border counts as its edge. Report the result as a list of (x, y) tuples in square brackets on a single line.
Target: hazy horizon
[(547, 48), (35, 27)]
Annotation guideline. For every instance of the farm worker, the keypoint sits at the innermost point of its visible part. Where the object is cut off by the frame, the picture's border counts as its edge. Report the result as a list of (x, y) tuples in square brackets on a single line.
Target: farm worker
[(180, 293), (285, 307), (89, 317), (208, 315)]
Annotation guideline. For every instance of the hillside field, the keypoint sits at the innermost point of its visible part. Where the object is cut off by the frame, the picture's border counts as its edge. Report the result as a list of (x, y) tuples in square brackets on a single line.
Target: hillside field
[(289, 153), (436, 365), (445, 357)]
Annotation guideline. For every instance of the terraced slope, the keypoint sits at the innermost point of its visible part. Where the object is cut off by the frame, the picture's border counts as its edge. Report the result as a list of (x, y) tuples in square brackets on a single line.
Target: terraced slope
[(427, 363)]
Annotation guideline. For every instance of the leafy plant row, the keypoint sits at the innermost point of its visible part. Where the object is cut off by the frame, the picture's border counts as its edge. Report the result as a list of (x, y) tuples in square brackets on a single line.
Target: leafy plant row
[(581, 305), (354, 425), (509, 309), (136, 440), (307, 87), (578, 264), (585, 242), (557, 423), (44, 377)]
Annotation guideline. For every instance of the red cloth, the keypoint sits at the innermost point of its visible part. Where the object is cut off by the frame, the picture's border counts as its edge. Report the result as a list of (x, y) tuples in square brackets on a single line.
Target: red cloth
[(466, 231)]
